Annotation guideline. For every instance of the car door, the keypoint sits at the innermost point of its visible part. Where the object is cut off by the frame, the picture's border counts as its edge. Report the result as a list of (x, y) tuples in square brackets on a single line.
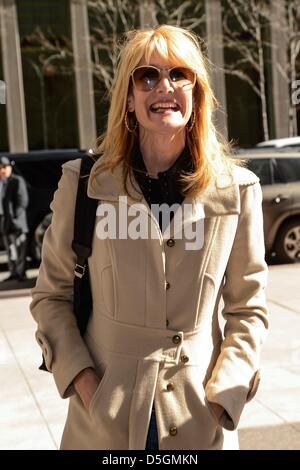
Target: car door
[(279, 197), (263, 169)]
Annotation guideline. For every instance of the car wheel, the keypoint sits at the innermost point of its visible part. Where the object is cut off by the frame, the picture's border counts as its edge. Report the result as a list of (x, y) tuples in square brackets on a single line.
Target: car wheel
[(37, 239), (287, 245)]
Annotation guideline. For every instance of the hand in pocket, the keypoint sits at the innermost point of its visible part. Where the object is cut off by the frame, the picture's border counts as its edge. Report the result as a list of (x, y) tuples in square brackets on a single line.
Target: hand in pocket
[(86, 384)]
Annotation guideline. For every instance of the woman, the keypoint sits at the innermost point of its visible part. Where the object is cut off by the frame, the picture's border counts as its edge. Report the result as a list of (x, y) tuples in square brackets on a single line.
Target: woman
[(153, 345)]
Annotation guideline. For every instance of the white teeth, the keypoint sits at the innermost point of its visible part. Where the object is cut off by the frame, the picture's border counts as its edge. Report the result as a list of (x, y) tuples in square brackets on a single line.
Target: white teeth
[(164, 105)]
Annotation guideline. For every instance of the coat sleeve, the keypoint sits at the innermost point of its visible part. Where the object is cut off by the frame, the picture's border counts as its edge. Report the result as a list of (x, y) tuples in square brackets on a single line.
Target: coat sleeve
[(21, 197), (64, 350), (235, 378)]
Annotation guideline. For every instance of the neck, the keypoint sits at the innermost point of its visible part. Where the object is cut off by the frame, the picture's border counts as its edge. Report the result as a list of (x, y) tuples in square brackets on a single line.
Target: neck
[(160, 152)]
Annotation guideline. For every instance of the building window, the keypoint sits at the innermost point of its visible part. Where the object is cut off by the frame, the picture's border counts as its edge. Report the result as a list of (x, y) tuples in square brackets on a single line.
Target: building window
[(108, 20), (48, 73), (244, 105), (3, 118)]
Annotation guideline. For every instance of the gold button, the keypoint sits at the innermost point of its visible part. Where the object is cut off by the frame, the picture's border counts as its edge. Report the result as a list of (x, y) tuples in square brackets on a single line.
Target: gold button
[(176, 339), (171, 242), (170, 387), (168, 285), (173, 431), (167, 322), (184, 358)]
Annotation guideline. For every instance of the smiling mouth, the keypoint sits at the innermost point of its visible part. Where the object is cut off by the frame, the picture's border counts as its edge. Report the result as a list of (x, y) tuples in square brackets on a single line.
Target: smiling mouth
[(164, 107)]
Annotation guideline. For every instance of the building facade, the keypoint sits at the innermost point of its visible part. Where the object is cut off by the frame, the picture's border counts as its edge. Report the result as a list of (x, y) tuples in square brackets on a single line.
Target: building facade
[(55, 80)]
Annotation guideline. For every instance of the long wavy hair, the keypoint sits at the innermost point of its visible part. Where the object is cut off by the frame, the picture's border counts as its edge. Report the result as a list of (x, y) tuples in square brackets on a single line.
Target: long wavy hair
[(209, 151)]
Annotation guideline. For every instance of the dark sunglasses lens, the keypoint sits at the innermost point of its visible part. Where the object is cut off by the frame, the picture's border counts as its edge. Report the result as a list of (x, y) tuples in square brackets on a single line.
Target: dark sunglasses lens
[(182, 76), (146, 78)]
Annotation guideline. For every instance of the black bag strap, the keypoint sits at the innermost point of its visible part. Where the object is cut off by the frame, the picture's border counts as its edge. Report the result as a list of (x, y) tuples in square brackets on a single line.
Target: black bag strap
[(84, 224)]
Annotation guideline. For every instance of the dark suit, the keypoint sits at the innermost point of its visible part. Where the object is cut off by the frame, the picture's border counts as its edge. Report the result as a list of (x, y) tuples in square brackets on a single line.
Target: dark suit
[(14, 199)]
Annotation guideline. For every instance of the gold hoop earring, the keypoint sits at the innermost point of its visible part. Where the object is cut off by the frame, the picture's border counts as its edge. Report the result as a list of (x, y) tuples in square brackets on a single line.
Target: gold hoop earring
[(126, 123), (189, 128)]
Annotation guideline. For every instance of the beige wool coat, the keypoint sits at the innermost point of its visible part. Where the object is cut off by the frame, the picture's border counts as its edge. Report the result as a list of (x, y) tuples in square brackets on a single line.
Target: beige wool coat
[(154, 334)]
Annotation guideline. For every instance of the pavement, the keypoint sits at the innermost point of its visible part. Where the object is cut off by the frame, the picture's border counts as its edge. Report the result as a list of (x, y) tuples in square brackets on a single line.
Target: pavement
[(32, 414)]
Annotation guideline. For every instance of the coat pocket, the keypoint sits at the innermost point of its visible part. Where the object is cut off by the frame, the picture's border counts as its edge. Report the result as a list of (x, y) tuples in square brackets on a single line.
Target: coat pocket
[(209, 408), (98, 393)]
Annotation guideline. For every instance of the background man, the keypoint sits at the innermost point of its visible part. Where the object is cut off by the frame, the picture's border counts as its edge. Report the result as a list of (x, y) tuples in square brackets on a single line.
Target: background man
[(13, 222)]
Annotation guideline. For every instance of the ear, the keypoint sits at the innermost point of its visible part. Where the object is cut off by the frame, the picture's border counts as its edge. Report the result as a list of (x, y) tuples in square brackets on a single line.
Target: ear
[(130, 103)]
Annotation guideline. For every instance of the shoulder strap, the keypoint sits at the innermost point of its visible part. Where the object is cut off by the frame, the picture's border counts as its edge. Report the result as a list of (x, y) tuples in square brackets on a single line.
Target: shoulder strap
[(84, 223)]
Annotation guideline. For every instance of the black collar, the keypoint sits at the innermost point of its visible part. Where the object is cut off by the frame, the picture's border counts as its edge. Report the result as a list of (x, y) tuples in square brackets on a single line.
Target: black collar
[(183, 163), (167, 188)]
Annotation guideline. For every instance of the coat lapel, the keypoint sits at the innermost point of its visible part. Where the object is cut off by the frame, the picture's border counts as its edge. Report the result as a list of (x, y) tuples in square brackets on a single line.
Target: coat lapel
[(220, 198)]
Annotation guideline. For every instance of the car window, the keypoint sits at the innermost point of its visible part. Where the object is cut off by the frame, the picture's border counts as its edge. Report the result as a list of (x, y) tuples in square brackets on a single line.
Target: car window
[(40, 174), (261, 167), (286, 170)]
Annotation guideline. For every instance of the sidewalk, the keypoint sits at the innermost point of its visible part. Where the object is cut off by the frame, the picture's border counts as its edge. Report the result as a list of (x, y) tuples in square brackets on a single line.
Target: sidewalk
[(32, 413), (272, 419)]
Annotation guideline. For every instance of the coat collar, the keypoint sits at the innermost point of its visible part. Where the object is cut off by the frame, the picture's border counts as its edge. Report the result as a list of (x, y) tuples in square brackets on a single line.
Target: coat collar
[(220, 198)]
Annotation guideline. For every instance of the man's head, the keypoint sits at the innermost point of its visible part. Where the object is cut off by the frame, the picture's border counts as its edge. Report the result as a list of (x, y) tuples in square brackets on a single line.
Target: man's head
[(5, 168)]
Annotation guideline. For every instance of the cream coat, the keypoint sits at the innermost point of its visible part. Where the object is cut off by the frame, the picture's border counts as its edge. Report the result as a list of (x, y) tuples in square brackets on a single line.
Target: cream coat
[(143, 336)]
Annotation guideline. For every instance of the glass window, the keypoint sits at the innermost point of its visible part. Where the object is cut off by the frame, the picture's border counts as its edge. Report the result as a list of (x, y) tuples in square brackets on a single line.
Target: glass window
[(48, 73), (242, 81), (286, 170), (189, 15), (108, 20), (261, 167), (3, 118)]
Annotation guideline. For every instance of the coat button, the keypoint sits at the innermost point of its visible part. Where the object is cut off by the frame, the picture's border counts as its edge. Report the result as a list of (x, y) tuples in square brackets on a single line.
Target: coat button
[(171, 242), (170, 387), (176, 339), (184, 358), (173, 431), (167, 285)]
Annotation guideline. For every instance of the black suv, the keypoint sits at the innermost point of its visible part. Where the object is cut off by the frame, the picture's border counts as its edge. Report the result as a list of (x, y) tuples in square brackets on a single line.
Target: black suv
[(41, 171)]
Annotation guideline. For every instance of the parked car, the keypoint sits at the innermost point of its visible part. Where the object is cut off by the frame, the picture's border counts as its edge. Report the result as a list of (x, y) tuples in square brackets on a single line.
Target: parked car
[(280, 143), (279, 173), (41, 171)]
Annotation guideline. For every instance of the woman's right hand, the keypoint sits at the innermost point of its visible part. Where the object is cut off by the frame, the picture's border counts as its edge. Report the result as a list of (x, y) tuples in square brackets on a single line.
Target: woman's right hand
[(86, 384)]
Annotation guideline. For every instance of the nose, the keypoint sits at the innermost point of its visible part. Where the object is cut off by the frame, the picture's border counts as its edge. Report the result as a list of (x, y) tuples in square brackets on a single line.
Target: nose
[(164, 86)]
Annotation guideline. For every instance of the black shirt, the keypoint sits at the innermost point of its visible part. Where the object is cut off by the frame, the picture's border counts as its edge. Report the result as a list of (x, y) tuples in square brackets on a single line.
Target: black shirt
[(167, 187)]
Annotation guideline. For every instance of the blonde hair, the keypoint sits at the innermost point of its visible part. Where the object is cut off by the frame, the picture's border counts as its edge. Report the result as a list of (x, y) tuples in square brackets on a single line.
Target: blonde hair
[(181, 47)]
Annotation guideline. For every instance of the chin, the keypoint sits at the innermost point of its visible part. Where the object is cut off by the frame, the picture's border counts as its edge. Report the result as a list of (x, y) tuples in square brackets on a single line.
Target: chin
[(171, 126), (172, 121)]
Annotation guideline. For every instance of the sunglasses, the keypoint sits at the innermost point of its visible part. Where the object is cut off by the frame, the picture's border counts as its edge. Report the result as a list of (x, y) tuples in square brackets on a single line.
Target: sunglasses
[(147, 77)]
